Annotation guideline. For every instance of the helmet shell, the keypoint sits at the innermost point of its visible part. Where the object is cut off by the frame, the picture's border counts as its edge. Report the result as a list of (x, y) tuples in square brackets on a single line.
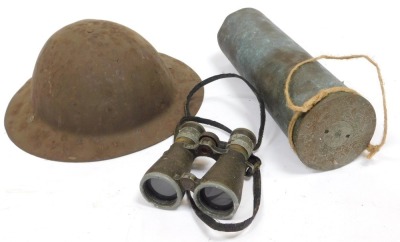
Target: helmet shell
[(98, 90)]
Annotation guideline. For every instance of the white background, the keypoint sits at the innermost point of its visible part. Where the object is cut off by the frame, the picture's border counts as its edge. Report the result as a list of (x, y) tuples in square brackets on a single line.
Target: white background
[(43, 200)]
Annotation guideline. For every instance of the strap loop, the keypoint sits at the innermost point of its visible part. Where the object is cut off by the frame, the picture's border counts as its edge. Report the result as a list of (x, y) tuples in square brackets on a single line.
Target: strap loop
[(254, 160), (215, 123)]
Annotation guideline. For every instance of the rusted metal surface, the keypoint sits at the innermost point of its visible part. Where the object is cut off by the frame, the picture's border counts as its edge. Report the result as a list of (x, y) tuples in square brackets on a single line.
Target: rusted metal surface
[(98, 91), (331, 134)]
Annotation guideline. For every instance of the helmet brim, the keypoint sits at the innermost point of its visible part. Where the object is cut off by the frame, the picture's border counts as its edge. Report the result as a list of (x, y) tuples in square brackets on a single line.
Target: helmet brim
[(38, 138)]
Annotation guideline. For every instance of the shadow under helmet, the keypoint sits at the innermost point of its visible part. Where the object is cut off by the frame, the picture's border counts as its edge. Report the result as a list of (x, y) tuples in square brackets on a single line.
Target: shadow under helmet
[(98, 91)]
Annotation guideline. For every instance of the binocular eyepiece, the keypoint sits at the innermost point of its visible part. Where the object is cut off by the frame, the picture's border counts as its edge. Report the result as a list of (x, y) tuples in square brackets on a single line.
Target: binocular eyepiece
[(218, 192)]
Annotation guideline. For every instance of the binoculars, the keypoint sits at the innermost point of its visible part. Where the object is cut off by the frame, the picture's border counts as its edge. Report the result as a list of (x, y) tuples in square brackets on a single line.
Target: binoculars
[(218, 192)]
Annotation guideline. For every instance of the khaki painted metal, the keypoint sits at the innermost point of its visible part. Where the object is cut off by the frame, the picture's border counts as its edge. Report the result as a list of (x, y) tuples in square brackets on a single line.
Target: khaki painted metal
[(227, 174), (171, 166), (99, 90), (225, 177), (336, 130)]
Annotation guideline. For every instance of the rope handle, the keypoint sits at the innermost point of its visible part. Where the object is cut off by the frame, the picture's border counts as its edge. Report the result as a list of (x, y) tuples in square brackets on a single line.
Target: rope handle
[(306, 106)]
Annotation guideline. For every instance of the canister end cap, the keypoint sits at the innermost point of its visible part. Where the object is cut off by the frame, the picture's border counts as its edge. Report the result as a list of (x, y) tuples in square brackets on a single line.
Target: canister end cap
[(335, 131)]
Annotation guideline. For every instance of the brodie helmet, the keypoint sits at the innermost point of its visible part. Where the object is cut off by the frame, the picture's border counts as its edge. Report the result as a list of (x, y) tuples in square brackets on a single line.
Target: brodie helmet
[(99, 90)]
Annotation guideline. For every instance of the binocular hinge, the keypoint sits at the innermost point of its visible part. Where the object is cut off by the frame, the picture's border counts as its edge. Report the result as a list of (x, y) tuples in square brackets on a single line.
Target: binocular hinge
[(188, 181)]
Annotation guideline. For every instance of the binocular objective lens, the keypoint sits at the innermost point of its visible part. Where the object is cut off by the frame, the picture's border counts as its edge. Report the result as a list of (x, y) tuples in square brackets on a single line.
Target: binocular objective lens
[(160, 189), (216, 199)]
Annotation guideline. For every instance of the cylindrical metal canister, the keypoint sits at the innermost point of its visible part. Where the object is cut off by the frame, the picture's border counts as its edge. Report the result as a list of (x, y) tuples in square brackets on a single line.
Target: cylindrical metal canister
[(330, 135)]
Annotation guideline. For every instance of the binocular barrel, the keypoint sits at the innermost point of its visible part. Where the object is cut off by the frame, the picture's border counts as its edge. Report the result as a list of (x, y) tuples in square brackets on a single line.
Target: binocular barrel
[(160, 185), (218, 192)]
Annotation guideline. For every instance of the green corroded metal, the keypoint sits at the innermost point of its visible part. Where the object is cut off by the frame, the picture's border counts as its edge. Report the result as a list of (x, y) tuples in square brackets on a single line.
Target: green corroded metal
[(336, 130)]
